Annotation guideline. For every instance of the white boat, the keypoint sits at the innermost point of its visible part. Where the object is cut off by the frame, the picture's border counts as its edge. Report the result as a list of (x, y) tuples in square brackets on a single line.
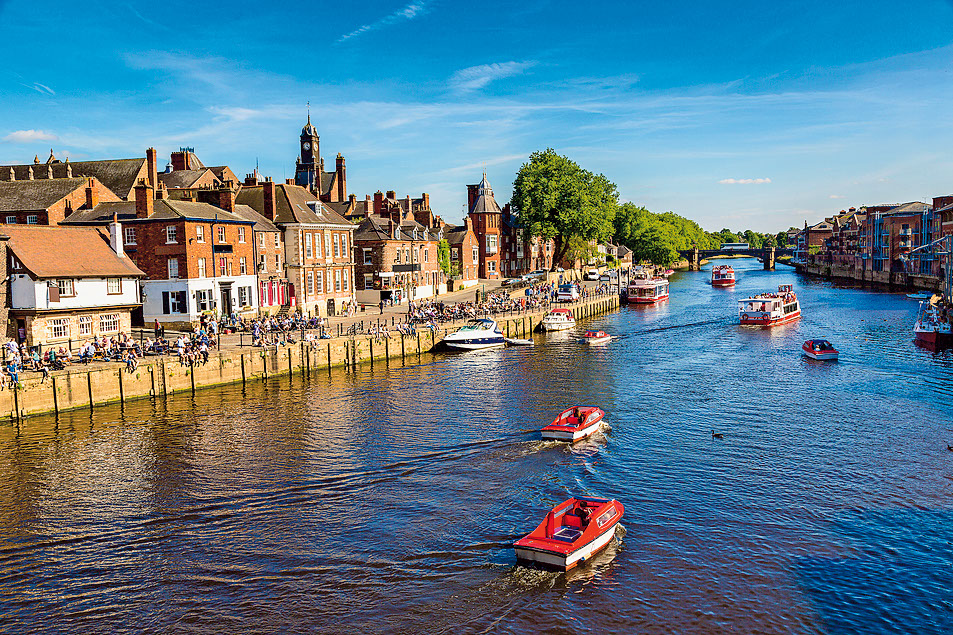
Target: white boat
[(575, 424), (515, 341), (480, 333), (770, 309), (596, 337), (933, 325), (644, 288), (821, 350), (558, 320)]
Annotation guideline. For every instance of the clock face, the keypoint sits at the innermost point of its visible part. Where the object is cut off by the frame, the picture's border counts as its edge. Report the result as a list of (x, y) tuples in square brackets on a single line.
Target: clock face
[(307, 146)]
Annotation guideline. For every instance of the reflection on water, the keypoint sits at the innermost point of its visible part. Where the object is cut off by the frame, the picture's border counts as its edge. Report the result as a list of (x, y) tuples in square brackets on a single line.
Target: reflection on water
[(388, 498)]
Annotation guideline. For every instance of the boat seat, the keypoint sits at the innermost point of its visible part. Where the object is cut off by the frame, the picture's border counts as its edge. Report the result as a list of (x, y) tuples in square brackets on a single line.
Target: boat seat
[(567, 534)]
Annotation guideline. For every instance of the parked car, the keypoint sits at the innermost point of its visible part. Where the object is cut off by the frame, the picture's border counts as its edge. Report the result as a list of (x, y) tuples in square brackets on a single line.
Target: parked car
[(511, 281), (539, 273), (567, 293), (609, 276), (592, 274)]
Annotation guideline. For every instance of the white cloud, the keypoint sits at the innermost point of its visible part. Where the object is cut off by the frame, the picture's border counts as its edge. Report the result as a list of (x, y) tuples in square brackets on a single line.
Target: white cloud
[(476, 77), (744, 181), (26, 136), (837, 196), (409, 12)]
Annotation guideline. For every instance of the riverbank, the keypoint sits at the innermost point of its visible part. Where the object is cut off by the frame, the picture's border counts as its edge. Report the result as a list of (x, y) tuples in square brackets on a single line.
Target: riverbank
[(91, 386), (898, 280)]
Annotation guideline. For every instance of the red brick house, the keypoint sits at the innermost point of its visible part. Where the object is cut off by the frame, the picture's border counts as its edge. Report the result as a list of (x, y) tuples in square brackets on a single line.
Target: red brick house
[(486, 220), (48, 201), (464, 255)]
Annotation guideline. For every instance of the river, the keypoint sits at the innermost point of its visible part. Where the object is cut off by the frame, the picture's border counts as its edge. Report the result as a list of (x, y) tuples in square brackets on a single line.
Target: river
[(385, 500)]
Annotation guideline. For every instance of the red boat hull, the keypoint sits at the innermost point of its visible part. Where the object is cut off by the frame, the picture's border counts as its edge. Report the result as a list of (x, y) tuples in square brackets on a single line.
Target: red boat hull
[(768, 322), (722, 283), (648, 300), (570, 427), (563, 540)]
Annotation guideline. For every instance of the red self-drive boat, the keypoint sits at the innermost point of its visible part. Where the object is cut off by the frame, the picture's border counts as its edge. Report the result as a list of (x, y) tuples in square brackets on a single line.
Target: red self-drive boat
[(596, 337), (820, 349), (575, 424), (571, 533)]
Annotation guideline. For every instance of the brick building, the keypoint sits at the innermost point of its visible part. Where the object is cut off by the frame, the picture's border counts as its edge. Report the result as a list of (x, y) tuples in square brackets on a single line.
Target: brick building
[(486, 220), (814, 236), (329, 187), (397, 257), (48, 201), (464, 255), (317, 242), (199, 259)]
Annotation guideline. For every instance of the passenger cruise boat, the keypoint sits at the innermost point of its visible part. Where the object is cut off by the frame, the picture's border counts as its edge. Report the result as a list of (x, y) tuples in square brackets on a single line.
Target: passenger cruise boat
[(723, 276), (820, 349), (596, 337), (770, 309), (571, 533), (480, 333), (933, 325), (646, 289), (575, 424), (558, 320)]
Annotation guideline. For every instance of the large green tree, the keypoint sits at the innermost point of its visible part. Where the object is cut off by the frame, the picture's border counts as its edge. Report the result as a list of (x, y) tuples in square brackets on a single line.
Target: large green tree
[(557, 199)]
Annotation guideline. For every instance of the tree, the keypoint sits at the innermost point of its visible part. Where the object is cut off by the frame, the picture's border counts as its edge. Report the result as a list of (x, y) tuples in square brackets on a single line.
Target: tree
[(781, 239), (443, 255), (557, 199), (657, 243)]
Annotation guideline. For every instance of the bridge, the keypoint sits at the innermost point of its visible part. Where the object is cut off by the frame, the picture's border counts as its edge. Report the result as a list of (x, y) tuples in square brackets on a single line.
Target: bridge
[(768, 255)]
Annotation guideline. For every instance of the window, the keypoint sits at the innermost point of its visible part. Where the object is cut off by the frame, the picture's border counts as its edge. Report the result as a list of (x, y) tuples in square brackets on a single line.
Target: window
[(277, 263), (129, 235), (426, 255), (173, 265), (337, 247), (244, 293), (454, 254), (319, 281), (337, 280), (229, 265), (32, 219), (242, 266), (66, 288), (261, 263), (397, 259), (174, 302), (85, 325), (109, 323), (261, 240), (277, 241), (201, 267), (57, 328), (113, 286), (221, 266), (345, 279), (491, 245), (368, 259), (221, 234), (308, 251), (310, 283), (241, 234), (171, 234), (491, 265), (407, 254), (327, 245), (200, 233), (476, 254), (202, 299), (11, 220), (368, 281), (317, 245)]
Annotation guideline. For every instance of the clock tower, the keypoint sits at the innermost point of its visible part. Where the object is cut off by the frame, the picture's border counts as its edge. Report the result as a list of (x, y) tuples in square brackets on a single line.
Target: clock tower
[(308, 166)]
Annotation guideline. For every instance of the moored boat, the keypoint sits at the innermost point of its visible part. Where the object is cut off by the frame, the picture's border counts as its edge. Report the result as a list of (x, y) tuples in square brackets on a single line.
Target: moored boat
[(820, 349), (479, 333), (558, 320), (515, 341), (571, 533), (922, 295), (933, 325), (770, 309), (722, 276), (645, 288), (575, 424)]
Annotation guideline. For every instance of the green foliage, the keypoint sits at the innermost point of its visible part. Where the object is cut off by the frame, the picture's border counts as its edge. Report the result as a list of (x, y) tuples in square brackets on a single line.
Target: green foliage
[(443, 256), (781, 239), (557, 199)]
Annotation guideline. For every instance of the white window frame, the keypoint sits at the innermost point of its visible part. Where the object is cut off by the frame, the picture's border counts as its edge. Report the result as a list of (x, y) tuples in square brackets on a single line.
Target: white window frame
[(128, 236), (308, 248), (57, 328), (171, 235), (201, 267), (67, 288), (310, 283), (337, 280), (85, 324), (345, 279), (242, 266), (337, 246), (221, 234), (114, 286), (319, 281), (241, 234), (11, 220), (172, 266), (368, 257), (109, 323), (200, 233), (32, 219)]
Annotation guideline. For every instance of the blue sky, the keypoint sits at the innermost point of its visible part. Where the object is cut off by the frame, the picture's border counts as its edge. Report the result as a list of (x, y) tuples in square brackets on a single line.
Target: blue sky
[(745, 114)]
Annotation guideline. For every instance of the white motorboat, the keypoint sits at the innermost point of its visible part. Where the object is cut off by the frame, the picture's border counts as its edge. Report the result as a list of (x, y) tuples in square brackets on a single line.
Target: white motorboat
[(558, 320), (480, 333)]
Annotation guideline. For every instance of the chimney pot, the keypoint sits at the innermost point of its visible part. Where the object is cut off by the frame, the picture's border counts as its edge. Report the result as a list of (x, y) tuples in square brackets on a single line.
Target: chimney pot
[(145, 199)]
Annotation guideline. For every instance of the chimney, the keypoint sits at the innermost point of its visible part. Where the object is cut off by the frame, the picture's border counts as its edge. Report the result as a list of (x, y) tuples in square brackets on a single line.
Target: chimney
[(69, 169), (226, 197), (162, 192), (179, 160), (391, 194), (92, 196), (378, 202), (473, 193), (408, 207), (30, 172), (115, 237), (13, 175), (251, 179), (342, 178), (426, 198), (145, 201), (49, 171), (268, 196), (289, 181), (152, 163)]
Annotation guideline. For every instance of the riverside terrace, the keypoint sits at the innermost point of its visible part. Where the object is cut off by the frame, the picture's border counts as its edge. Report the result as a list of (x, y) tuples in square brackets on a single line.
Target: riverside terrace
[(101, 382)]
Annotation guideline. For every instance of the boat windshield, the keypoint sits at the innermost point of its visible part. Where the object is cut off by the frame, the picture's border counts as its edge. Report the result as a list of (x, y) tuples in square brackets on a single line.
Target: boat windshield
[(474, 325)]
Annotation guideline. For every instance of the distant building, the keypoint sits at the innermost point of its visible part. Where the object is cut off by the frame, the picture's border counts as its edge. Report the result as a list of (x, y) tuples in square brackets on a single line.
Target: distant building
[(48, 201), (486, 221), (329, 187)]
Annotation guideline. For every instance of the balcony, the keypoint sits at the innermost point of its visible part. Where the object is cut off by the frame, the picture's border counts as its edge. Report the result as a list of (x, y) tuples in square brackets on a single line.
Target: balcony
[(906, 232)]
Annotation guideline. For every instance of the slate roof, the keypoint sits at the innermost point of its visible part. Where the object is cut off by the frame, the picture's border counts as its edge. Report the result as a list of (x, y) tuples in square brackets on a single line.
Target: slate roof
[(485, 202), (164, 209), (20, 196), (262, 224), (377, 228), (119, 175), (182, 178), (455, 235), (293, 204), (67, 252)]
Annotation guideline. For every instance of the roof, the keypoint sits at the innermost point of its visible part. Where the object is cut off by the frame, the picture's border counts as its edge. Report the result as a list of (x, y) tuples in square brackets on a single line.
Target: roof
[(455, 235), (18, 196), (183, 178), (164, 209), (119, 175), (485, 201), (67, 252), (377, 228), (262, 224), (293, 204)]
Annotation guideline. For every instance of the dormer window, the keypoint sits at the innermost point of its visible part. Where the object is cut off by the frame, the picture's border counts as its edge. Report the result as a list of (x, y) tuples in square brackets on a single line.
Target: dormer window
[(396, 233), (415, 234)]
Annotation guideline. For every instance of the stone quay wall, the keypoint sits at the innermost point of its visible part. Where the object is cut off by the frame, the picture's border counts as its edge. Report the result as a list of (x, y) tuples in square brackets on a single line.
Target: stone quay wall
[(94, 385), (896, 279)]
